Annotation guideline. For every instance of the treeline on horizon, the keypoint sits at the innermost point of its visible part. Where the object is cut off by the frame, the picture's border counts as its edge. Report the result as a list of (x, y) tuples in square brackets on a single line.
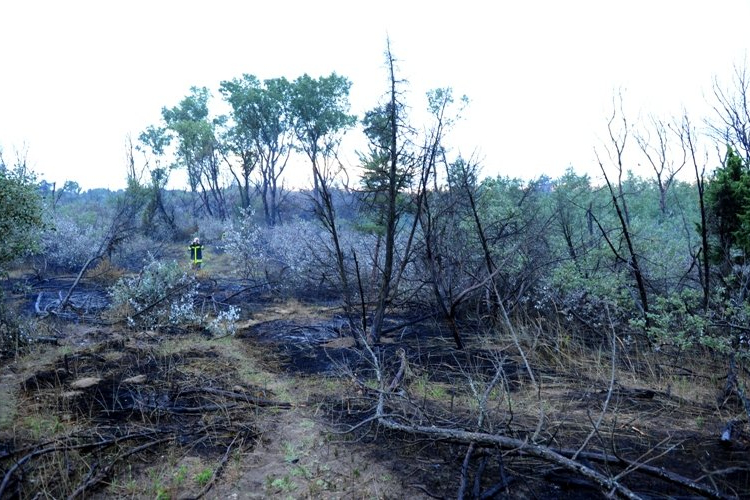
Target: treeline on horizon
[(413, 223)]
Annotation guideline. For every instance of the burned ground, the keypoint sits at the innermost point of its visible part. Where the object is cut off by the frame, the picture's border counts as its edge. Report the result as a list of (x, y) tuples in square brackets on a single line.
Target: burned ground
[(284, 408)]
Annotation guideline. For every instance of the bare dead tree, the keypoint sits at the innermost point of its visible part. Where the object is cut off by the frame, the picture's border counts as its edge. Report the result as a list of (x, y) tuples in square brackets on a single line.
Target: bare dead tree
[(656, 146), (688, 138), (731, 124), (323, 203), (618, 140), (123, 224), (432, 223)]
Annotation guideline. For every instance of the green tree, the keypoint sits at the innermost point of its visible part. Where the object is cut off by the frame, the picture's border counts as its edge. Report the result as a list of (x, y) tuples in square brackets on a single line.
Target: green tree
[(198, 148), (320, 113), (153, 143), (728, 200), (320, 110), (21, 214), (261, 133), (241, 134)]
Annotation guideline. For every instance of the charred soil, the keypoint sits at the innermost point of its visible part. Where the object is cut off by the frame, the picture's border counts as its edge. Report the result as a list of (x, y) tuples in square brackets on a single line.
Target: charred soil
[(286, 407)]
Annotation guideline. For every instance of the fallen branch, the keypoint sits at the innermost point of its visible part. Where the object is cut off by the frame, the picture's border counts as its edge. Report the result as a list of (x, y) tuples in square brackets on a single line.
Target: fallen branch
[(608, 484), (521, 447), (159, 301), (65, 301), (650, 470), (67, 447), (92, 480)]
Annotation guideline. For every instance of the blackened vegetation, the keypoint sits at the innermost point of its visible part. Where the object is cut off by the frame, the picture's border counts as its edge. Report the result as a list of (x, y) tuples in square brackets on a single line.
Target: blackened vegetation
[(125, 405), (422, 418), (451, 423), (440, 448)]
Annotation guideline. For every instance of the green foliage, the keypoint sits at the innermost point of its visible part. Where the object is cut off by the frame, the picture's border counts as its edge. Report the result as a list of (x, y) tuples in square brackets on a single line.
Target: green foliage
[(677, 320), (21, 220), (203, 477), (260, 133), (260, 110), (728, 203), (320, 111), (21, 215)]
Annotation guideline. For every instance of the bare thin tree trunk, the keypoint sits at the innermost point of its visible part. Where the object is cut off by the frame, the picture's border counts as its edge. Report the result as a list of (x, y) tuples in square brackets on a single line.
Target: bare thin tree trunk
[(390, 232), (689, 139)]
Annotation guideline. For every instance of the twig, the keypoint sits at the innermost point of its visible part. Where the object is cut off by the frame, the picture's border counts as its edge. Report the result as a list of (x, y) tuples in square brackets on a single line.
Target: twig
[(465, 472), (66, 447), (595, 428), (521, 447), (104, 473), (160, 300), (517, 342), (650, 470), (217, 471)]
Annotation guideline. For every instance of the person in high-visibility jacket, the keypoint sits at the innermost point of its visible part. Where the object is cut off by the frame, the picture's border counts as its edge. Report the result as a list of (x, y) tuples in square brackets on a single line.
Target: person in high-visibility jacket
[(196, 253)]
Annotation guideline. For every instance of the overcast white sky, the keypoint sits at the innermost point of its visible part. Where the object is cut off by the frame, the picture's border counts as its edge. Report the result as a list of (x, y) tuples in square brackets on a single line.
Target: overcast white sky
[(79, 76)]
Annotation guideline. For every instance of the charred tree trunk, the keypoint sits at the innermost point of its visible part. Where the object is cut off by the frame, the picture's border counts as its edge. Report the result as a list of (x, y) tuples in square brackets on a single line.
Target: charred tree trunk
[(390, 232)]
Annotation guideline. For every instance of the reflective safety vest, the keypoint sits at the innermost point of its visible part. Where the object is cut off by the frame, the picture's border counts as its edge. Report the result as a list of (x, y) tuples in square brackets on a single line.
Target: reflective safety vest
[(196, 253)]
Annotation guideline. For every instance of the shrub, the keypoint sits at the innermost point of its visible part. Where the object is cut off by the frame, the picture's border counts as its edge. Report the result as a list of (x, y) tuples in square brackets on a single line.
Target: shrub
[(129, 254), (69, 244), (105, 273), (21, 214), (161, 295), (13, 338), (296, 257), (287, 256), (225, 323)]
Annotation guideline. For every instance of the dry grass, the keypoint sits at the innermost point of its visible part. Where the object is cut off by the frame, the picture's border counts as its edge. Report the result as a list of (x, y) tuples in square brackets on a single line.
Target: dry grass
[(105, 273)]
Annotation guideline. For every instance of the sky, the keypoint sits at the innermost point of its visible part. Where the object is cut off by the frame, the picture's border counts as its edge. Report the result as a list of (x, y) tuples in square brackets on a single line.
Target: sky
[(79, 77)]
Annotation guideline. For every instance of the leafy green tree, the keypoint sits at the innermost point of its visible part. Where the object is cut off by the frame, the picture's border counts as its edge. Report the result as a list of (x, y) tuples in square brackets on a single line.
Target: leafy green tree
[(153, 143), (262, 132), (198, 148), (320, 113), (728, 199), (21, 213), (21, 218), (241, 135), (320, 110)]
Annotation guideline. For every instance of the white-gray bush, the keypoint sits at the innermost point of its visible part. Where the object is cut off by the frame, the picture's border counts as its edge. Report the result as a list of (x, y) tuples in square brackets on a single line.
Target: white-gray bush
[(225, 323), (161, 295), (288, 256), (292, 257), (69, 244)]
